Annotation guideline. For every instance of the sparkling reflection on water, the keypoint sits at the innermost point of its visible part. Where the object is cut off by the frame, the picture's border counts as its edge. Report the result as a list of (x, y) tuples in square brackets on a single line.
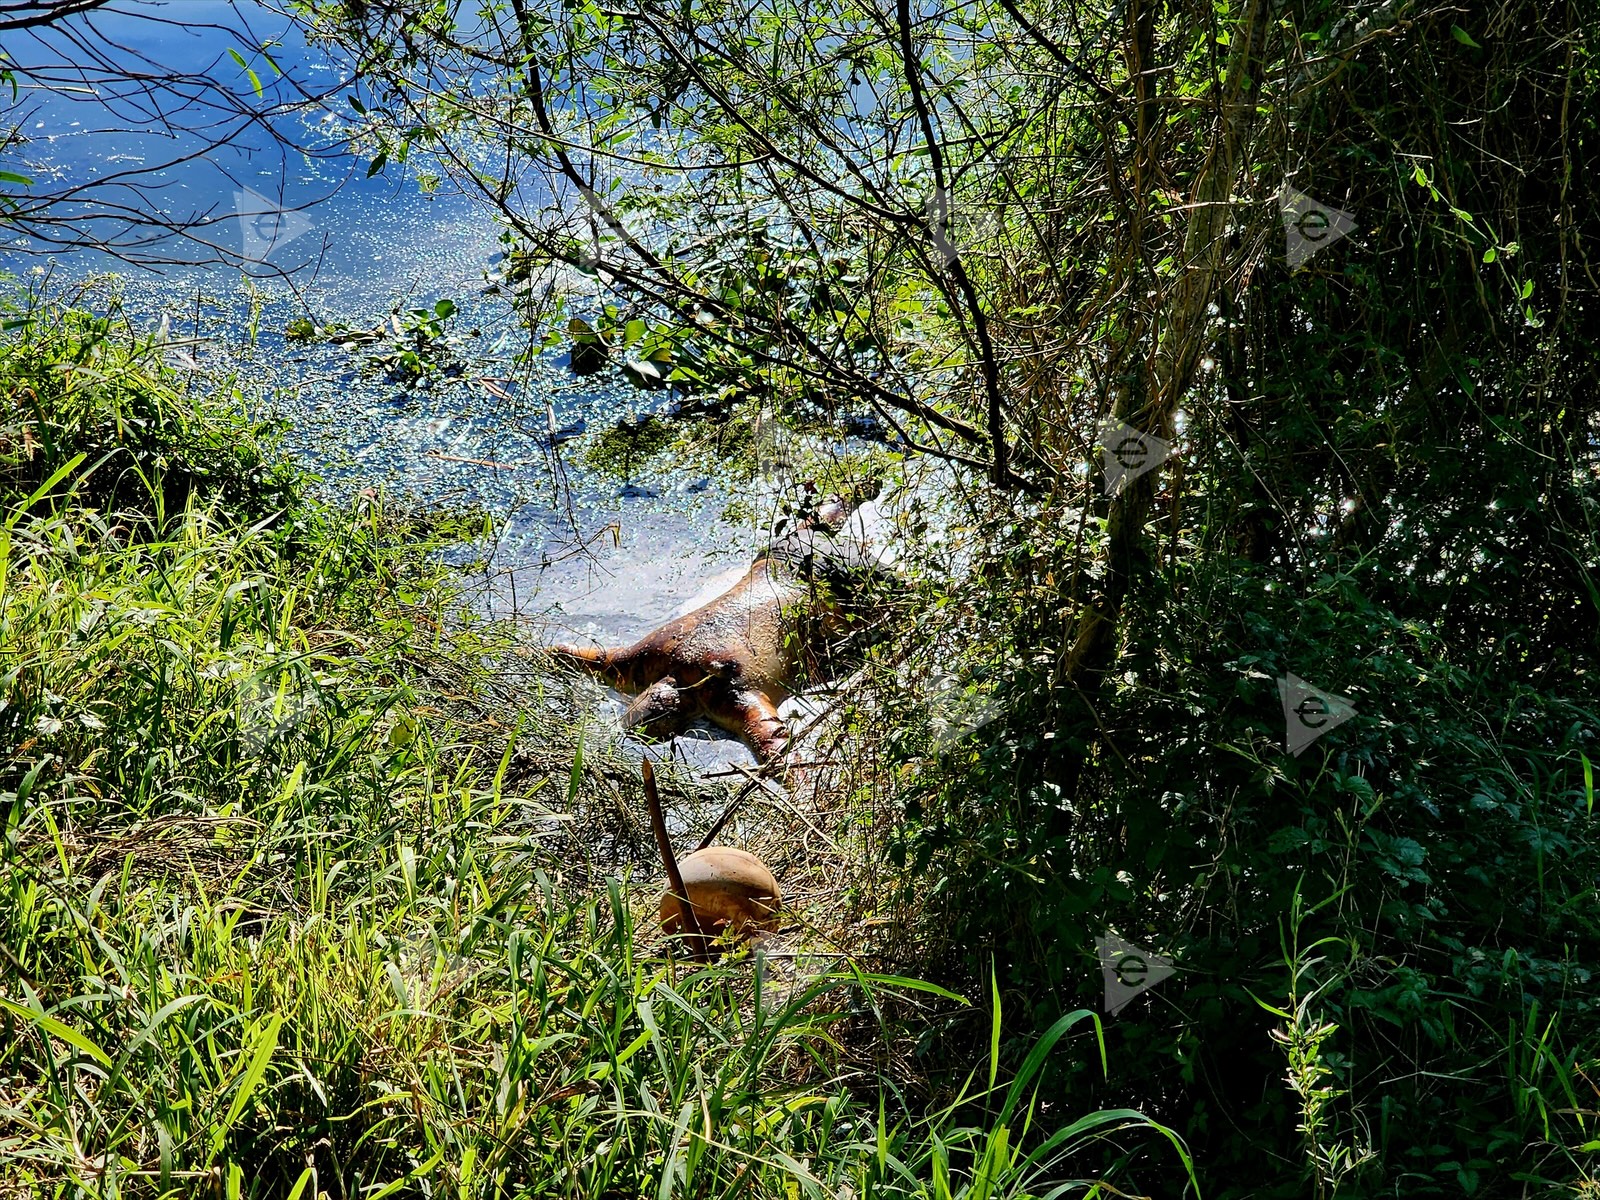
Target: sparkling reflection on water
[(576, 551)]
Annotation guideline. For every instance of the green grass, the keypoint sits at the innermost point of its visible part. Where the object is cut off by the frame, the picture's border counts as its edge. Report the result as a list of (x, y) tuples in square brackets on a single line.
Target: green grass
[(292, 903)]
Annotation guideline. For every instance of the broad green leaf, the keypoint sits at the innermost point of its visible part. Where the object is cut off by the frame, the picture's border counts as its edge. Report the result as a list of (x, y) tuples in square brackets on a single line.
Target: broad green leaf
[(575, 779), (415, 1173), (266, 1043), (57, 1029)]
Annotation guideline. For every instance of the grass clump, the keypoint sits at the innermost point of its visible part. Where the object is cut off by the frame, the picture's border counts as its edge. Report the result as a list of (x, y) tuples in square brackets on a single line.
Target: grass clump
[(288, 902), (77, 383)]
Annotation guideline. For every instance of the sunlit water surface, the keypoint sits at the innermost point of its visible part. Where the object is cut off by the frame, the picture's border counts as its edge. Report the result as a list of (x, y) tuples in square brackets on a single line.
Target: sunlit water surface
[(577, 552)]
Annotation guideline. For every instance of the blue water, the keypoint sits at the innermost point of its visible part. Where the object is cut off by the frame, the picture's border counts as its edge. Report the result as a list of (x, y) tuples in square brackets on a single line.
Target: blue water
[(291, 226)]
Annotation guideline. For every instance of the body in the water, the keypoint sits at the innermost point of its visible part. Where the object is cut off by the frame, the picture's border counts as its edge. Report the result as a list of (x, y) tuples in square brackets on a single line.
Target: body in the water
[(737, 658)]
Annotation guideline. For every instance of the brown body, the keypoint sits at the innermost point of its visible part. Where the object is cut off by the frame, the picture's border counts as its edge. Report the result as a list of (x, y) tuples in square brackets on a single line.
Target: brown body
[(735, 659)]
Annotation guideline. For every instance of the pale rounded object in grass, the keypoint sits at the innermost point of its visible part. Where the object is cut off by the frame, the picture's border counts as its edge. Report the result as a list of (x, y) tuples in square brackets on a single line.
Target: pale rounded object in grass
[(730, 889)]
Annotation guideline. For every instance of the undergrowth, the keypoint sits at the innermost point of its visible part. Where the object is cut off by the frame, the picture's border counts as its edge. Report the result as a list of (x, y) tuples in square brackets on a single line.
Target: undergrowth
[(288, 901)]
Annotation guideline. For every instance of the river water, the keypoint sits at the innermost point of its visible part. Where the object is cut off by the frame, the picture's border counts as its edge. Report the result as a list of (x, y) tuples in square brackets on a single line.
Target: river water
[(288, 233)]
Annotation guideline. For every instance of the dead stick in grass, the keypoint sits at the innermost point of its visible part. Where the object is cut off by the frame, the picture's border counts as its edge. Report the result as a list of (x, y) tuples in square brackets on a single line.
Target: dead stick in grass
[(700, 945)]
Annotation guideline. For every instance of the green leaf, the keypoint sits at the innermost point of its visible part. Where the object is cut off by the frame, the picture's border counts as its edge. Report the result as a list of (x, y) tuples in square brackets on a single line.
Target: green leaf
[(44, 488), (378, 163), (1462, 36), (57, 1029), (994, 1026), (1527, 288), (1277, 1012), (1040, 1052), (266, 1044), (1284, 840), (415, 1173), (166, 1010), (1490, 255), (13, 177), (632, 1048), (397, 985), (576, 777)]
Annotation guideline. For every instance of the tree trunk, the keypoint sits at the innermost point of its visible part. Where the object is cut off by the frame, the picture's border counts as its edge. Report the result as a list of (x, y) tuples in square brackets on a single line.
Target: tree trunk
[(1186, 323)]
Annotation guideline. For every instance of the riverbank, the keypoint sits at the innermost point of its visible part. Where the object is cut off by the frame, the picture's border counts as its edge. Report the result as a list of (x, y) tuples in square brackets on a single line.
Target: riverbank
[(303, 892)]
